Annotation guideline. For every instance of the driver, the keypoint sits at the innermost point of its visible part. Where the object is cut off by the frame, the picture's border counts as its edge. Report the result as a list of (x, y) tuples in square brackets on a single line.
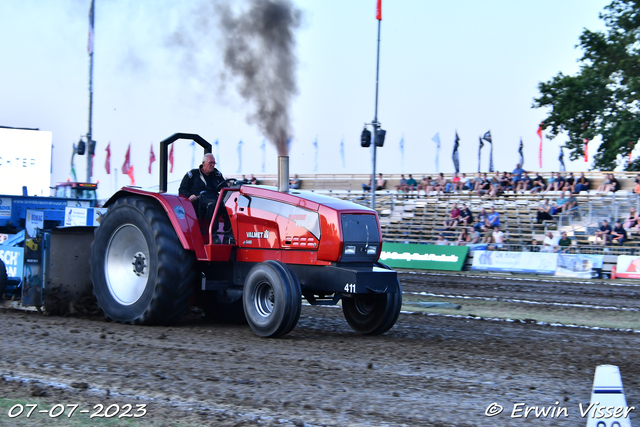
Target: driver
[(205, 178)]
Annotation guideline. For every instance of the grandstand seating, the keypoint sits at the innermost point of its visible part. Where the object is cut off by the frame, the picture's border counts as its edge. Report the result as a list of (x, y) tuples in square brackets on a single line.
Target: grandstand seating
[(412, 219)]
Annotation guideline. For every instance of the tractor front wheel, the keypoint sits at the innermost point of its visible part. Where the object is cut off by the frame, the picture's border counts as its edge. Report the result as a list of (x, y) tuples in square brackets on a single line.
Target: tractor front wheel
[(272, 299), (372, 314), (141, 273)]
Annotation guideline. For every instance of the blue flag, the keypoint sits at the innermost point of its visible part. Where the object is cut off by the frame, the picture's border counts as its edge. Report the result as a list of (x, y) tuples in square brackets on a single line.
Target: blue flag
[(193, 155), (402, 153), (455, 156), (217, 151), (436, 139), (342, 152), (263, 147), (239, 156)]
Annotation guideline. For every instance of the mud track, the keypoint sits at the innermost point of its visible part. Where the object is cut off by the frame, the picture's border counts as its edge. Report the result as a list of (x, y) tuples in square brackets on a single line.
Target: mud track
[(427, 371)]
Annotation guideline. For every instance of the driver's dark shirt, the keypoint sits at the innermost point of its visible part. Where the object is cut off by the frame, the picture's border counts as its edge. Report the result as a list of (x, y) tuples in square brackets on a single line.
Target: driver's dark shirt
[(195, 182)]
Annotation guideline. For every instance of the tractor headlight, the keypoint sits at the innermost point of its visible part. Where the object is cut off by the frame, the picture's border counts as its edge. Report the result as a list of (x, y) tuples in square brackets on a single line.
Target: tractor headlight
[(372, 250), (350, 250)]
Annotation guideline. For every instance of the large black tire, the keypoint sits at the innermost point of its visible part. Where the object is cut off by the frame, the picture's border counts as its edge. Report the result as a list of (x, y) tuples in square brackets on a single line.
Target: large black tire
[(224, 306), (272, 299), (141, 273), (3, 278), (372, 314)]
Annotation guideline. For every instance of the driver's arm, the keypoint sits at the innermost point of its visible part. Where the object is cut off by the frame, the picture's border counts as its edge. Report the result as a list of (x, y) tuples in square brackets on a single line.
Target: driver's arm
[(185, 188)]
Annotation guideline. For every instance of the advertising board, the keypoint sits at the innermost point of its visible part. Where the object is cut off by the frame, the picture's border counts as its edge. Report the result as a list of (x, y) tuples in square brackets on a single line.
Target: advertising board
[(515, 262), (25, 160), (425, 257), (628, 267)]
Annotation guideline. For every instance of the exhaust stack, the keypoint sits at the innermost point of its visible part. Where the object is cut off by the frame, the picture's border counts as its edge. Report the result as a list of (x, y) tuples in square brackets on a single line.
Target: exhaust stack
[(283, 174)]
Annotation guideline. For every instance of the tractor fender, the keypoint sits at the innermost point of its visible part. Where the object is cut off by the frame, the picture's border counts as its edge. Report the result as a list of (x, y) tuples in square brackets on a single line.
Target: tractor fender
[(180, 212)]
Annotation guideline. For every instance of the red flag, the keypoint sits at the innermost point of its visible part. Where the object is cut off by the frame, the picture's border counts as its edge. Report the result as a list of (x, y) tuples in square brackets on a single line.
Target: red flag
[(539, 132), (586, 150), (379, 11), (152, 158), (171, 159), (127, 167), (107, 162)]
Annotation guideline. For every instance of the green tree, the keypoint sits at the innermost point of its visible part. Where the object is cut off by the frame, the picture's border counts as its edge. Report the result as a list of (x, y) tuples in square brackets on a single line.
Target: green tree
[(603, 98)]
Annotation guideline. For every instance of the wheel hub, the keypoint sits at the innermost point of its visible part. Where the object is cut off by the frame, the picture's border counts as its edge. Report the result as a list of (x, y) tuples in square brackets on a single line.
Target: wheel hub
[(264, 300), (139, 263)]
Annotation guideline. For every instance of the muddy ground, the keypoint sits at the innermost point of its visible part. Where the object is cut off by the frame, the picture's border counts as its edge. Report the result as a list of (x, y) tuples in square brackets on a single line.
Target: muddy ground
[(429, 370)]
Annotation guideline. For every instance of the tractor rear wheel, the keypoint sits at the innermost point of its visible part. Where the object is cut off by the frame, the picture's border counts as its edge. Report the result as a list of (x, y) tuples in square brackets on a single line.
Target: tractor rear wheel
[(372, 314), (272, 299), (3, 278), (141, 273)]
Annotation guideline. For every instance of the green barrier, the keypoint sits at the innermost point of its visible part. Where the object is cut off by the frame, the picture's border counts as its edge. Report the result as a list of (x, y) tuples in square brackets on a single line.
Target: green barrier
[(424, 257)]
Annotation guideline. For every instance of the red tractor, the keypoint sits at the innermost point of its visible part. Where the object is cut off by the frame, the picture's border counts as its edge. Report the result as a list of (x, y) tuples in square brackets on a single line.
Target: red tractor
[(153, 256)]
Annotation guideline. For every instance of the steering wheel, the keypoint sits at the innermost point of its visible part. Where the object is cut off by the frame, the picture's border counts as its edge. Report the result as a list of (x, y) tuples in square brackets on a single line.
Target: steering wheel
[(232, 181)]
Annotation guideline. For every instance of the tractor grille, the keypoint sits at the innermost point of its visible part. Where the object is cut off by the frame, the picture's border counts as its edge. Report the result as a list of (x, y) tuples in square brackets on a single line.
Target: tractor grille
[(361, 238)]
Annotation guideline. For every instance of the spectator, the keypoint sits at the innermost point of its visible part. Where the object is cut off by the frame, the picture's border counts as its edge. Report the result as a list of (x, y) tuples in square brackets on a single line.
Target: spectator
[(632, 220), (550, 242), (605, 187), (441, 240), (477, 182), (564, 242), (495, 180), (454, 184), (380, 184), (433, 184), (454, 217), (534, 246), (603, 234), (619, 234), (525, 183), (559, 182), (480, 220), (538, 184), (476, 237), (464, 237), (516, 175), (615, 185), (498, 237), (402, 187), (244, 180), (466, 216), (441, 183), (412, 185), (571, 203), (636, 188), (485, 186), (550, 182), (424, 183), (544, 212), (493, 219), (253, 180), (582, 184), (570, 183), (294, 183), (466, 182)]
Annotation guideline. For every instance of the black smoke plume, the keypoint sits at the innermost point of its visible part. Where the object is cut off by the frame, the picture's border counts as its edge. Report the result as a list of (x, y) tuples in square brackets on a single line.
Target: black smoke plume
[(259, 55)]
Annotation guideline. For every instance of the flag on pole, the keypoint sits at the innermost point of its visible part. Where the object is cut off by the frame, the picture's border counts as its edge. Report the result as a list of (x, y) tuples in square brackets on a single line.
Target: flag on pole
[(561, 159), (217, 151), (487, 137), (107, 162), (521, 152), (239, 156), (171, 159), (263, 147), (456, 156), (436, 139), (586, 150), (379, 10), (127, 167), (402, 153), (539, 132), (91, 28), (342, 152), (480, 145), (315, 160), (152, 158)]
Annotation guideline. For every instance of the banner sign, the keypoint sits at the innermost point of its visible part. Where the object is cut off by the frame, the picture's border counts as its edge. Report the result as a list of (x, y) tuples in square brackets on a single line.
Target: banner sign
[(578, 265), (628, 267), (424, 257), (516, 262), (13, 259), (81, 217)]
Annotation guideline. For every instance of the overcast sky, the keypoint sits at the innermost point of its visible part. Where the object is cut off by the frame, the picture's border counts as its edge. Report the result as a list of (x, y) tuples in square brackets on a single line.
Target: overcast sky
[(468, 66)]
